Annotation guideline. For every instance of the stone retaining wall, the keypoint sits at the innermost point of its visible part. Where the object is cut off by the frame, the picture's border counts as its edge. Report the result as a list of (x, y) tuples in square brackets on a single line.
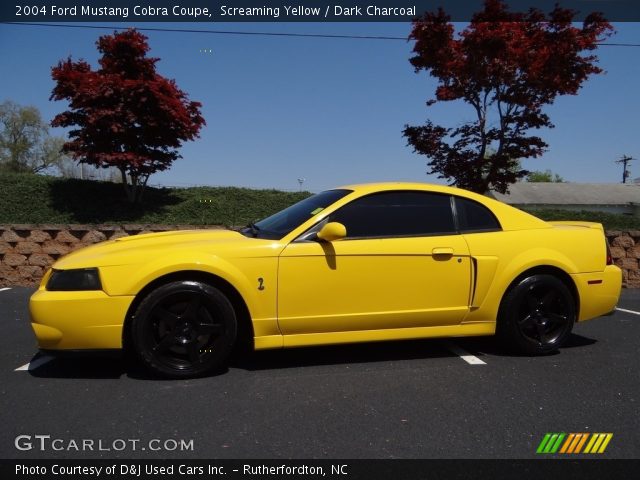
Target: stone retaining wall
[(625, 250), (26, 251)]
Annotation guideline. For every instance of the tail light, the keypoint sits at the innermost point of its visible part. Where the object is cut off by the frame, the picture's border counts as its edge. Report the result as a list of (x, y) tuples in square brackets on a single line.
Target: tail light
[(609, 257)]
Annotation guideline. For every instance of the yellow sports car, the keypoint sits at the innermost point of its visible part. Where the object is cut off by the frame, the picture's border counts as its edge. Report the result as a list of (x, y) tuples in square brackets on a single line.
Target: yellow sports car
[(356, 264)]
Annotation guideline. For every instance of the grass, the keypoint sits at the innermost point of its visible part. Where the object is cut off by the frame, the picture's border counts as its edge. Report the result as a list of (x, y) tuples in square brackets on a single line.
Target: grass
[(37, 199)]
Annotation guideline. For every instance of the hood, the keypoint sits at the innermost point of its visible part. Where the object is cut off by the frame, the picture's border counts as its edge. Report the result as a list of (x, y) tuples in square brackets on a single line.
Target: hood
[(149, 246)]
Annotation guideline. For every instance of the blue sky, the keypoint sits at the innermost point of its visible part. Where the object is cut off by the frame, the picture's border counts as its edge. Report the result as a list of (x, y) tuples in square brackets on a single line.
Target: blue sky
[(328, 110)]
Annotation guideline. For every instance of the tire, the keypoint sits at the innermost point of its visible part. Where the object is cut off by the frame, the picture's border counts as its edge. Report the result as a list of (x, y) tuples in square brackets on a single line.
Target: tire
[(536, 315), (184, 329)]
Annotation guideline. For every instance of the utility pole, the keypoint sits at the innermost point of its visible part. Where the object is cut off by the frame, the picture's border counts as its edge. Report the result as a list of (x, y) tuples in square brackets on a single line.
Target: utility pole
[(625, 160)]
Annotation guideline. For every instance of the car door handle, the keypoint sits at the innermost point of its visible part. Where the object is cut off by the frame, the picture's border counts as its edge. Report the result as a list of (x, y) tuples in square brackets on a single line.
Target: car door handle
[(442, 251)]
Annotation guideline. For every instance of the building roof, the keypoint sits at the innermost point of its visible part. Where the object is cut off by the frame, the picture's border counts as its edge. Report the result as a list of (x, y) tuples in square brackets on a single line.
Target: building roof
[(547, 193)]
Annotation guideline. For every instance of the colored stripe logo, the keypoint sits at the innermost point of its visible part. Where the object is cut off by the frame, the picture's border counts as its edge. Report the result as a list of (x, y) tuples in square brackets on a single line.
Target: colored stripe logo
[(574, 443)]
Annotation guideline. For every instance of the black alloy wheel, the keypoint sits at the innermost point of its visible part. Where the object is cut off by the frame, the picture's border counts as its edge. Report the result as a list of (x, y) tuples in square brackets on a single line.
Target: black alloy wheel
[(537, 315), (184, 329)]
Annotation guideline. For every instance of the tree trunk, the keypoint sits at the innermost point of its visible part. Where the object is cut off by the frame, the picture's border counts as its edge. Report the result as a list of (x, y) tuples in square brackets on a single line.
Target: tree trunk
[(127, 187), (134, 188)]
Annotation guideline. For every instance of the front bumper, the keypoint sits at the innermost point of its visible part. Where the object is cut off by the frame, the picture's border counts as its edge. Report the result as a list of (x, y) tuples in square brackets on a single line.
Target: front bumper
[(78, 320)]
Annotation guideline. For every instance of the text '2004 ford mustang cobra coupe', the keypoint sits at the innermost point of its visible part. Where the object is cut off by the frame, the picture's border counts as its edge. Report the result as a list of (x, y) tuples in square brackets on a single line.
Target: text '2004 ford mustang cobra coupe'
[(355, 264)]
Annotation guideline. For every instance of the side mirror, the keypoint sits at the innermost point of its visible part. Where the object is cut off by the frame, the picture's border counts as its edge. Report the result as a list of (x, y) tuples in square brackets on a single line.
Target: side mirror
[(332, 231)]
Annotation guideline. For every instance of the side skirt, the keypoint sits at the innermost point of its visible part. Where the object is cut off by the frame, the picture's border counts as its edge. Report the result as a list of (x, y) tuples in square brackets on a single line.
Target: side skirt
[(334, 338)]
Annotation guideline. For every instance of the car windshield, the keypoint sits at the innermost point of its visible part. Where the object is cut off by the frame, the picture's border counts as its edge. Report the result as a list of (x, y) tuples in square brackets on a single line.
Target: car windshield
[(280, 224)]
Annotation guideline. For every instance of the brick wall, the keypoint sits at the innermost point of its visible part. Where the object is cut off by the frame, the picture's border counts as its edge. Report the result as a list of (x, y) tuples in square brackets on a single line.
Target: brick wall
[(26, 251), (625, 250)]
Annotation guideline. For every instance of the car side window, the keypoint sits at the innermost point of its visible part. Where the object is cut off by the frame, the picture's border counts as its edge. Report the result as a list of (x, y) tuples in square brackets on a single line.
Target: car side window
[(397, 214), (474, 217)]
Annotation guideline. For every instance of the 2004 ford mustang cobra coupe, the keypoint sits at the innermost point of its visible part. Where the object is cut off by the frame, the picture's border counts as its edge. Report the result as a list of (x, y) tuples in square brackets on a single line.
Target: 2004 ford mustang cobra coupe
[(355, 264)]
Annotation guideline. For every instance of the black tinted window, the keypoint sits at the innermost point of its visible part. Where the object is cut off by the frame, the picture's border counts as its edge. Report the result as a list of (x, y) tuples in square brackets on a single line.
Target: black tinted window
[(280, 224), (474, 217), (395, 214)]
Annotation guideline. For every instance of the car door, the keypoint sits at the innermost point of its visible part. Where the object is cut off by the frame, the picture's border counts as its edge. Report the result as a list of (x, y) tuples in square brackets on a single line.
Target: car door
[(401, 265)]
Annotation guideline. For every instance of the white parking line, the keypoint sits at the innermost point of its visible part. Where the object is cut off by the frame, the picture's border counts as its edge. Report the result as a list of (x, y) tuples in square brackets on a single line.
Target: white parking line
[(628, 311), (33, 364), (463, 354), (5, 288)]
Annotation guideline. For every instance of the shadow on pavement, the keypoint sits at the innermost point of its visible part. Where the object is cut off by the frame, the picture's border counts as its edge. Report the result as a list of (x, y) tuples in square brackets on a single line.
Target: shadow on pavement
[(95, 367), (111, 368), (491, 346), (342, 354)]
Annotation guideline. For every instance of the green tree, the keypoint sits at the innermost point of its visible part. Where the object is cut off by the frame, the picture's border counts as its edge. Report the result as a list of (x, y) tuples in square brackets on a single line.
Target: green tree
[(25, 143), (547, 176)]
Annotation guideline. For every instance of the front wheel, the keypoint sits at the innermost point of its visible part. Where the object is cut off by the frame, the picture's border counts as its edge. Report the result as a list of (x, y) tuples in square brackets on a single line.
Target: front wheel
[(536, 315), (184, 329)]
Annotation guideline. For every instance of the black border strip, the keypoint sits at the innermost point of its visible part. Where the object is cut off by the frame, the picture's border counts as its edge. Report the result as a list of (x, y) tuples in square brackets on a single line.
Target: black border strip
[(316, 11), (348, 469)]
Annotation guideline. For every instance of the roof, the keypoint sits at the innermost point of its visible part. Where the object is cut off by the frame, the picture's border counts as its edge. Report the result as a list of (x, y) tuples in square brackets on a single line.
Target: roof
[(548, 193), (366, 188)]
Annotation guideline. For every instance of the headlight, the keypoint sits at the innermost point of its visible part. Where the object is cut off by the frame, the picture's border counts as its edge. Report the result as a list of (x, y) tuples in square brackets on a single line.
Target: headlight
[(77, 279)]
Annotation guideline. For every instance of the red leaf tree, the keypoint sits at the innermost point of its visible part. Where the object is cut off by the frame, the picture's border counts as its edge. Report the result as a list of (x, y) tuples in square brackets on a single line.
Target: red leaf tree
[(507, 66), (126, 115)]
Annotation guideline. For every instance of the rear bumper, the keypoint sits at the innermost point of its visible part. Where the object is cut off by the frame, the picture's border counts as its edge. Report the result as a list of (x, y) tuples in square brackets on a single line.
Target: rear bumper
[(599, 292)]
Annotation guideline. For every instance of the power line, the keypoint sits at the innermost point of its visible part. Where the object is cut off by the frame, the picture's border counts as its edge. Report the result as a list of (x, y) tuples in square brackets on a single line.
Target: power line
[(216, 32), (239, 32)]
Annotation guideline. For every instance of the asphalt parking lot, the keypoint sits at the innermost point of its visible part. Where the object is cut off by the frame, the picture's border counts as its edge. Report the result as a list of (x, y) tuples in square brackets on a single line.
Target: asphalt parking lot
[(420, 399)]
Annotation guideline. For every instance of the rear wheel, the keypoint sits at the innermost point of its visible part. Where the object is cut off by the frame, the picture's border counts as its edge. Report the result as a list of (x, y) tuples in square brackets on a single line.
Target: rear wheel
[(184, 329), (536, 315)]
